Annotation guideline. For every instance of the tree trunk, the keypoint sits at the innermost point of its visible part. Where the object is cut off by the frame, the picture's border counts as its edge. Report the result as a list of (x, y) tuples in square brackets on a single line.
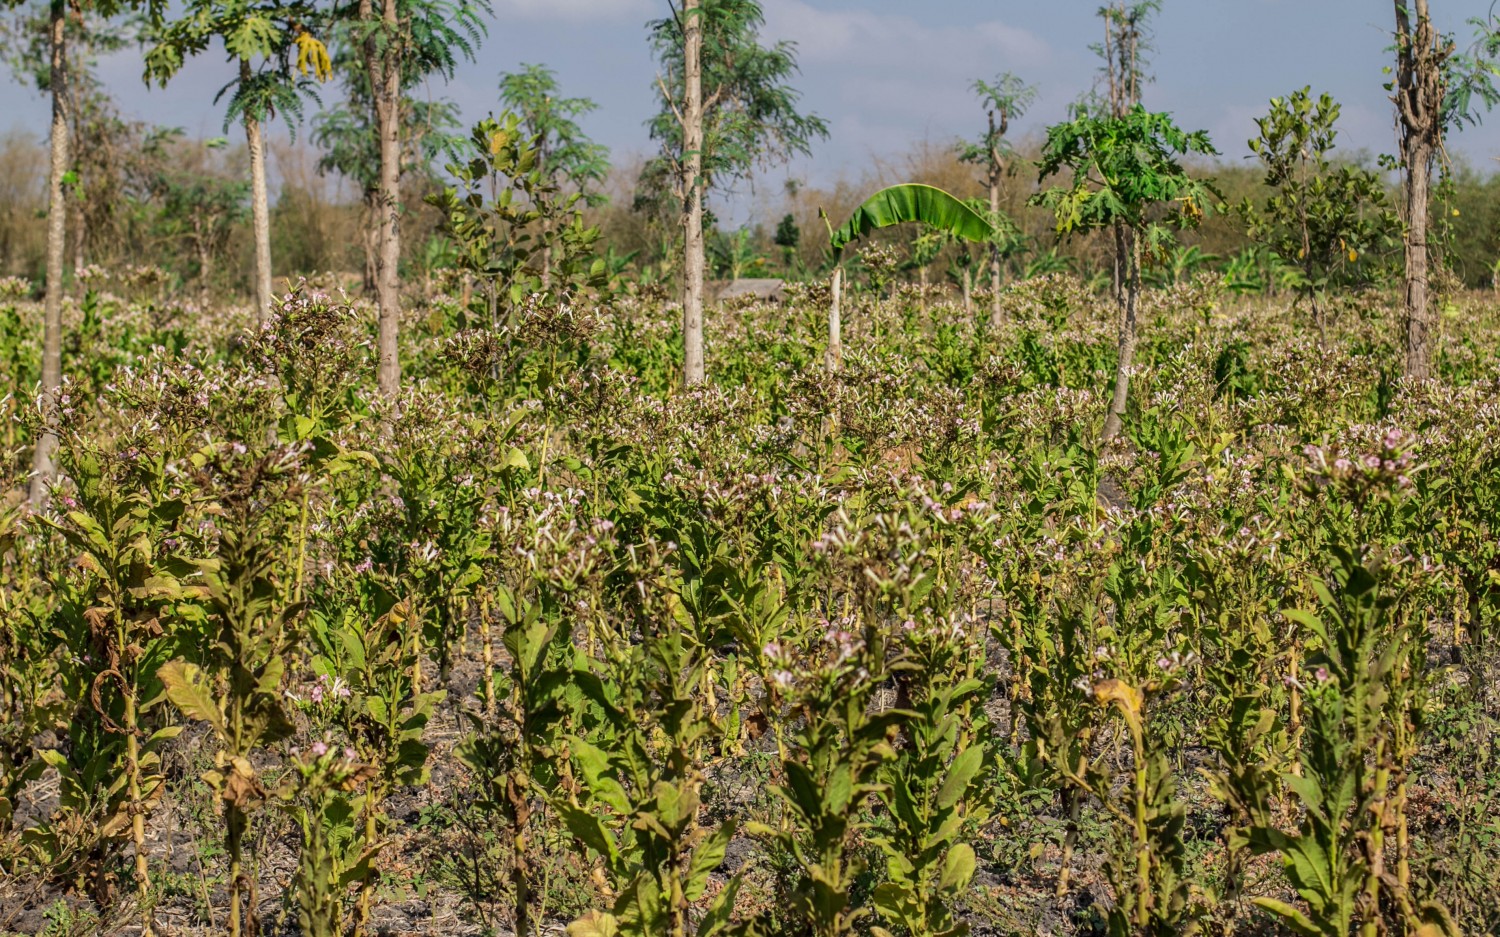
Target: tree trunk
[(370, 241), (1418, 95), (382, 61), (43, 468), (260, 210), (1418, 308), (995, 170), (834, 356), (692, 193), (205, 261), (80, 229), (968, 293), (1115, 419)]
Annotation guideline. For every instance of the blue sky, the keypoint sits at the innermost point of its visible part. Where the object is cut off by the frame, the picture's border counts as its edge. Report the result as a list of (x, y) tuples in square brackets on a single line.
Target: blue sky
[(890, 73)]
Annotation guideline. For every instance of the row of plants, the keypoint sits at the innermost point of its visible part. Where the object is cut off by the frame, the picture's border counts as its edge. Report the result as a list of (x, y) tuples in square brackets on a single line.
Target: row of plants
[(894, 650)]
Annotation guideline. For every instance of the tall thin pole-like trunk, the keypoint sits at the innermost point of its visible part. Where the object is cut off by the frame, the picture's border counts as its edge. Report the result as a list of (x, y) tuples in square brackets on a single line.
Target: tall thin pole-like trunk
[(995, 170), (968, 293), (692, 192), (382, 62), (1418, 94), (1116, 416), (834, 355), (370, 241), (260, 209), (1122, 51), (43, 466)]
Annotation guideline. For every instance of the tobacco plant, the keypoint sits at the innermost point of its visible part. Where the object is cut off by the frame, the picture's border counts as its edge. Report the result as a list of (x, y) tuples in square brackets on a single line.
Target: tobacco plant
[(553, 577), (384, 714), (117, 516), (235, 684), (1349, 859), (318, 798), (637, 803)]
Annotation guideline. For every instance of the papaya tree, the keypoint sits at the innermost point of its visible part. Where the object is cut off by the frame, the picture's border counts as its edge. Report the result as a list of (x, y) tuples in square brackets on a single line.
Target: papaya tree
[(1005, 99), (1125, 172), (275, 52)]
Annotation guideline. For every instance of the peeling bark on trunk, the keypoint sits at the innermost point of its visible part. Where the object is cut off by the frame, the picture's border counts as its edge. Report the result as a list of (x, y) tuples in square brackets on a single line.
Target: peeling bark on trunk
[(1418, 95), (382, 62), (692, 193), (260, 210), (1116, 417), (43, 466)]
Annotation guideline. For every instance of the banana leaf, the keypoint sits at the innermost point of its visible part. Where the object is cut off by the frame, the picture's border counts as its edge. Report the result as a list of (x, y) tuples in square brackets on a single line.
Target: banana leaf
[(913, 202)]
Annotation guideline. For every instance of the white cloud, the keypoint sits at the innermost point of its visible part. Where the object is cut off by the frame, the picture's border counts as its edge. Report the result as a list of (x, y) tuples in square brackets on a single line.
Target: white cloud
[(578, 11), (901, 43), (891, 78)]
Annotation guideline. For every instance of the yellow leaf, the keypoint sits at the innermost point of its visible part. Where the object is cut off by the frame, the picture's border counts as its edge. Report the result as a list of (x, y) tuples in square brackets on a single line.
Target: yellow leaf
[(312, 56)]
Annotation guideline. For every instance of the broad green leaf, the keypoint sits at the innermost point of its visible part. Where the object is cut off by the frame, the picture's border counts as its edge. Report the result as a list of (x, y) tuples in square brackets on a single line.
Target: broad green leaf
[(958, 867), (913, 202), (960, 774)]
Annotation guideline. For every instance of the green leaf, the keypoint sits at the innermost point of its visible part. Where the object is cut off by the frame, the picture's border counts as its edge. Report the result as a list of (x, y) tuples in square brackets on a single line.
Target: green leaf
[(590, 830), (958, 868), (960, 774), (1290, 916), (708, 856), (913, 202)]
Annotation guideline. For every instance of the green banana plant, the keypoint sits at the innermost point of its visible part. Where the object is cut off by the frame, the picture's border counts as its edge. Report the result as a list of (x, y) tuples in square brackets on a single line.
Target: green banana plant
[(912, 202), (892, 205)]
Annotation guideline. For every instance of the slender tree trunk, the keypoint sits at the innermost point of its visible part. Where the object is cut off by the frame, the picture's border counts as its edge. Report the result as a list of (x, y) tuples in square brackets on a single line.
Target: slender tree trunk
[(43, 468), (995, 170), (834, 355), (968, 293), (692, 193), (382, 61), (1418, 307), (1418, 95), (370, 241), (80, 231), (1115, 419), (260, 210)]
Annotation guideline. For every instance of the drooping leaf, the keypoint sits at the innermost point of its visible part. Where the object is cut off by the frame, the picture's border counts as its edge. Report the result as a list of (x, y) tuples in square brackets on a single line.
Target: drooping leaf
[(913, 202)]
